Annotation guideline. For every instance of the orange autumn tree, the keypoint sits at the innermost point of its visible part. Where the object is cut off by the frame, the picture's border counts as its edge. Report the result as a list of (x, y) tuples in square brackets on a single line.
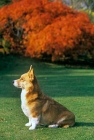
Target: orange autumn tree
[(44, 29)]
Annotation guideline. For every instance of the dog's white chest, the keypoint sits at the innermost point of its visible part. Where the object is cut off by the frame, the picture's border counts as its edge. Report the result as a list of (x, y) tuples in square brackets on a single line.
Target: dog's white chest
[(24, 106)]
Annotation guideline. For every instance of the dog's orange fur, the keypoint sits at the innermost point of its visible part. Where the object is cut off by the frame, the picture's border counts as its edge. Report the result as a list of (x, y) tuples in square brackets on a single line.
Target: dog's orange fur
[(39, 108)]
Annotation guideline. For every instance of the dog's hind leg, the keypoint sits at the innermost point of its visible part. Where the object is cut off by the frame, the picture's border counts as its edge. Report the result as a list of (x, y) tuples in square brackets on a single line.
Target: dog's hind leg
[(53, 126), (57, 124)]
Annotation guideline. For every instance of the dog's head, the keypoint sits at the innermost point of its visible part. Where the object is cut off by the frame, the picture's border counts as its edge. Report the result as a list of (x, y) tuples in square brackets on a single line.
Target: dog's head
[(25, 81)]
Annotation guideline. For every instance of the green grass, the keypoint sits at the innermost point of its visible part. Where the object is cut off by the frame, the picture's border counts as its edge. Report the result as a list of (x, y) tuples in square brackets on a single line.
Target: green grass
[(72, 87)]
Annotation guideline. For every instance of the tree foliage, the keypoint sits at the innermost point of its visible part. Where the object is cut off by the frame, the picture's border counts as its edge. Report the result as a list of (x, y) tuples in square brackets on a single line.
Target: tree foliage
[(44, 29)]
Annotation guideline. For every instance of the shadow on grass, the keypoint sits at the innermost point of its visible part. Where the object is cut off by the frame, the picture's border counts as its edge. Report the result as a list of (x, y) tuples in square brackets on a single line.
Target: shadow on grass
[(82, 124)]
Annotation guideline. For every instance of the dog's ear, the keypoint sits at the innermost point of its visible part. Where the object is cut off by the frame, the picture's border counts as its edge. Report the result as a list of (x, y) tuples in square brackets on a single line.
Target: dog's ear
[(31, 73), (31, 67)]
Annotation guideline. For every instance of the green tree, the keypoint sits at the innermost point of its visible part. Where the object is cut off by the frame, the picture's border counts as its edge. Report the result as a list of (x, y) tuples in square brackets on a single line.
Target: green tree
[(80, 4)]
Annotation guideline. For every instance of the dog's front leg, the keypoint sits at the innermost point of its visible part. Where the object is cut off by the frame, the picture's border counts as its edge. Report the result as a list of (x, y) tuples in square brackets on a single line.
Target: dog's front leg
[(35, 122), (30, 122)]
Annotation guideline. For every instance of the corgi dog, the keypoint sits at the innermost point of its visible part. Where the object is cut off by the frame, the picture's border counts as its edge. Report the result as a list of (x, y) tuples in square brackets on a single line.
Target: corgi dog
[(38, 107)]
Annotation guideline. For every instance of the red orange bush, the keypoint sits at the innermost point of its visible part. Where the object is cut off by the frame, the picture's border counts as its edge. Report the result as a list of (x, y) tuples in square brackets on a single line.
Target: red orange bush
[(42, 29)]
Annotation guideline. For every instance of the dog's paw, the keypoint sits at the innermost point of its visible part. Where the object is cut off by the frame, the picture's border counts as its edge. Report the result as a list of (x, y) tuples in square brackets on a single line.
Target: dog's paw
[(53, 126), (28, 124), (31, 128)]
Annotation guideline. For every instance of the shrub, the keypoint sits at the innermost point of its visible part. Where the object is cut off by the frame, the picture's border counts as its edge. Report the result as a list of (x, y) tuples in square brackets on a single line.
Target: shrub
[(44, 29)]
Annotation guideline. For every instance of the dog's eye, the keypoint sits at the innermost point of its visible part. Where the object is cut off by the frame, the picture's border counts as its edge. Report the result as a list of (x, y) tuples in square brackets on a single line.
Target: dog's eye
[(22, 79)]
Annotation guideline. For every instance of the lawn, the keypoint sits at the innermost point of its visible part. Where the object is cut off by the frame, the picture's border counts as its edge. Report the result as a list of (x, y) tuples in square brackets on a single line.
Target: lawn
[(72, 87)]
